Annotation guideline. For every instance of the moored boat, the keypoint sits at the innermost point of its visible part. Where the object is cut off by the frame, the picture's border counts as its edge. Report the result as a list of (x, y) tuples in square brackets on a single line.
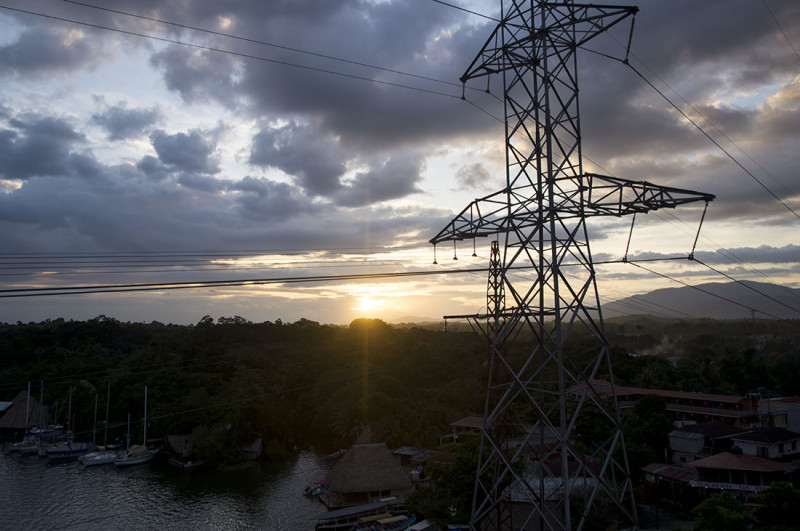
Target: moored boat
[(68, 450), (346, 518), (385, 522), (102, 457), (186, 465), (137, 455)]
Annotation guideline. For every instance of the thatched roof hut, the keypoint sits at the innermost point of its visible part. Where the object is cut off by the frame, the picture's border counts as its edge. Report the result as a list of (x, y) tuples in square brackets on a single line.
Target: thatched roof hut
[(12, 420), (181, 445), (369, 471)]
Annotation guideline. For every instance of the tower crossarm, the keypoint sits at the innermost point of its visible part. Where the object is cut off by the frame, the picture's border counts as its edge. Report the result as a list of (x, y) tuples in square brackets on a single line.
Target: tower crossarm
[(482, 217), (587, 195), (512, 38), (612, 196)]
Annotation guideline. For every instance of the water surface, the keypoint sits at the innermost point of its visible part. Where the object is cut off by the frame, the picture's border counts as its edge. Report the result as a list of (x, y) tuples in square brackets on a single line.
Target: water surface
[(37, 494)]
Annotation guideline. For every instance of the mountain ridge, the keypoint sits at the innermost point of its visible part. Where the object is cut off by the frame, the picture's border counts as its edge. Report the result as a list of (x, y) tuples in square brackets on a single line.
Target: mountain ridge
[(714, 300)]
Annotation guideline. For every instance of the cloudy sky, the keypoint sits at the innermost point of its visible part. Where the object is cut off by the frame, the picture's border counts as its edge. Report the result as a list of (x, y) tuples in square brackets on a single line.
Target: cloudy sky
[(170, 142)]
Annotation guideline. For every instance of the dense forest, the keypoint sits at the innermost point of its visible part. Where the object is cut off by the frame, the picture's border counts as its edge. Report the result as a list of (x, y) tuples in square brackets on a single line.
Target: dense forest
[(229, 380)]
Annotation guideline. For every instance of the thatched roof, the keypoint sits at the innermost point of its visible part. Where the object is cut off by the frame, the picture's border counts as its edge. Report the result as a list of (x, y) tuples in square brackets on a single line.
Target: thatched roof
[(368, 468), (182, 445), (14, 416)]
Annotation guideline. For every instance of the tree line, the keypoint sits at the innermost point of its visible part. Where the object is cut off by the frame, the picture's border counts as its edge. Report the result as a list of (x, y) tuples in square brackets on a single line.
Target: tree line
[(230, 380)]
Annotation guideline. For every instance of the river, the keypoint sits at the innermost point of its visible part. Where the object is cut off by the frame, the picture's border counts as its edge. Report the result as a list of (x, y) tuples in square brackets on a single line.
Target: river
[(37, 494)]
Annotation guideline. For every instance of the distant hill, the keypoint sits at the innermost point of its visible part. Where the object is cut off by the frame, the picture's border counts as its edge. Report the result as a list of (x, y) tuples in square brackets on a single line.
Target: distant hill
[(729, 300)]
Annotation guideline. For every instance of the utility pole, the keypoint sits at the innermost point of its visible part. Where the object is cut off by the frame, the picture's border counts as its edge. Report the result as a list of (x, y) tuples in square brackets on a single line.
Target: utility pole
[(547, 341)]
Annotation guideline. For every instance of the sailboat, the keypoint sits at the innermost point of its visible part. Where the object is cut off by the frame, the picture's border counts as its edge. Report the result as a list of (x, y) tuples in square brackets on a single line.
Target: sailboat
[(105, 455), (139, 454), (69, 448)]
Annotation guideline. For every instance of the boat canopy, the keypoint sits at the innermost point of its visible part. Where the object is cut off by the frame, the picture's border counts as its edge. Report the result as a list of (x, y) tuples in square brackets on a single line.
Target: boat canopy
[(351, 511)]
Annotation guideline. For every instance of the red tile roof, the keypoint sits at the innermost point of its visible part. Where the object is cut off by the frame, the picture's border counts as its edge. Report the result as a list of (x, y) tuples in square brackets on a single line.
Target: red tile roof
[(712, 429), (475, 423), (672, 472), (604, 387), (727, 460)]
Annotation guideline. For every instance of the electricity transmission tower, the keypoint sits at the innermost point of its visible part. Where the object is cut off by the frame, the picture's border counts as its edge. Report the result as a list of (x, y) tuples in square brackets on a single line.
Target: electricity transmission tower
[(552, 453)]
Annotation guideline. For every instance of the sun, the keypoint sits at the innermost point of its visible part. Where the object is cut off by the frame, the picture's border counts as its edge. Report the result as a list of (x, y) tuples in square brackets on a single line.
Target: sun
[(367, 303)]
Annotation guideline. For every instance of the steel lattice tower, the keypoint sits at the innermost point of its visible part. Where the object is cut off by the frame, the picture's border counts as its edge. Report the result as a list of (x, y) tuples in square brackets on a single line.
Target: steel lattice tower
[(540, 467)]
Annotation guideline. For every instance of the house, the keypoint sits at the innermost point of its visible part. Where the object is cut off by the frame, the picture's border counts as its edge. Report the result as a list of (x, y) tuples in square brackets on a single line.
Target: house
[(772, 443), (741, 411), (366, 473), (410, 456), (782, 412), (686, 446), (695, 441), (741, 474), (670, 486), (467, 424), (21, 414)]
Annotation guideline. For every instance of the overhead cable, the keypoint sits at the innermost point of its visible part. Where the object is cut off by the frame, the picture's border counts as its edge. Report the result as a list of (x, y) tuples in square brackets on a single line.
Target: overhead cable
[(710, 138), (780, 28), (773, 299), (467, 10), (229, 52), (263, 43), (697, 288)]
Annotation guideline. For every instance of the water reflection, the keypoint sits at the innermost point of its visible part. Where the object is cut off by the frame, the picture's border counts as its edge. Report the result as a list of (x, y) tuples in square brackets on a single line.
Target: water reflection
[(38, 495)]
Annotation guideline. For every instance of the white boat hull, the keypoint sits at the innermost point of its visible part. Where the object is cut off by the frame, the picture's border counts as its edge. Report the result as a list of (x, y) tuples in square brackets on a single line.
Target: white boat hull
[(136, 460), (98, 458)]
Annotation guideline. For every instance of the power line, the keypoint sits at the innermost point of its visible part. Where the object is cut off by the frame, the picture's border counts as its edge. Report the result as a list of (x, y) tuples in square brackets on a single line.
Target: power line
[(263, 43), (230, 52), (265, 59), (711, 122), (780, 28), (315, 69), (467, 10), (697, 126), (746, 285), (697, 288), (710, 138), (116, 288)]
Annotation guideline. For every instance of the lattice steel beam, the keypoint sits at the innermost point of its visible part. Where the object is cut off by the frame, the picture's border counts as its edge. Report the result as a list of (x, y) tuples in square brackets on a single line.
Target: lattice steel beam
[(539, 465)]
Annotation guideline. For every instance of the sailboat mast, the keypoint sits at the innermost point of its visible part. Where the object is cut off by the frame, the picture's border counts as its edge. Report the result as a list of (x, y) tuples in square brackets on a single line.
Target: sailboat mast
[(27, 410), (69, 414), (145, 417), (108, 401), (42, 422), (94, 428)]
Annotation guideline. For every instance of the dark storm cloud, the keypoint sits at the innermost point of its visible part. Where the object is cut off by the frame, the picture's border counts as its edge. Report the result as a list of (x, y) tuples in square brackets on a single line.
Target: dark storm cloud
[(198, 76), (152, 168), (316, 161), (122, 122), (202, 183), (391, 179), (349, 144), (119, 210), (42, 51), (365, 116), (36, 146), (265, 200), (189, 152), (695, 49), (673, 35), (763, 254)]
